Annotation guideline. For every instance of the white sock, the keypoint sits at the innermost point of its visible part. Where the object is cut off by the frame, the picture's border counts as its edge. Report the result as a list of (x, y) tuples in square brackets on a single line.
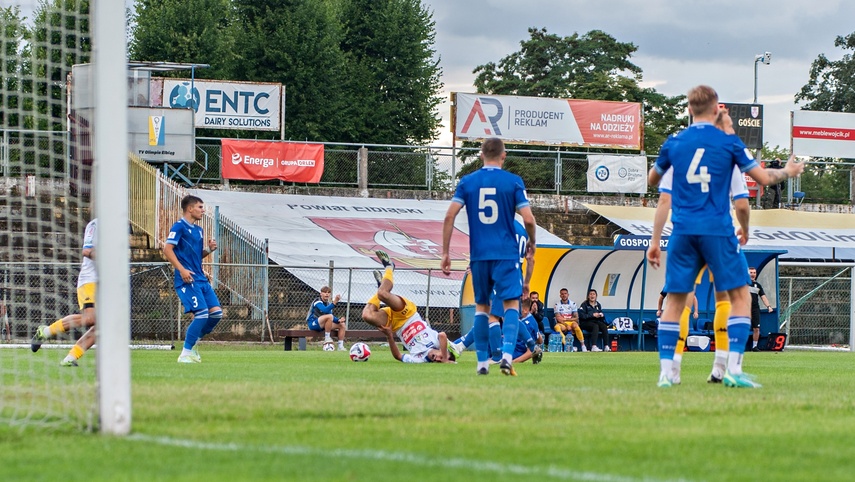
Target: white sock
[(341, 343), (666, 366), (734, 363), (675, 365), (509, 357), (719, 364), (484, 364), (754, 344), (185, 351), (327, 337)]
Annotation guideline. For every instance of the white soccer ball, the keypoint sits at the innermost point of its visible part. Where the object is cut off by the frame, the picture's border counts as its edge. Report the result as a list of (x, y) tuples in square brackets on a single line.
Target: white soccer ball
[(329, 346), (360, 352)]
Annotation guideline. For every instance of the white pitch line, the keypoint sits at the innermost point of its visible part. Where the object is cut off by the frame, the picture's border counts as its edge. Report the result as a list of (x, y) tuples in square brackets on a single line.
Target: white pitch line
[(498, 468)]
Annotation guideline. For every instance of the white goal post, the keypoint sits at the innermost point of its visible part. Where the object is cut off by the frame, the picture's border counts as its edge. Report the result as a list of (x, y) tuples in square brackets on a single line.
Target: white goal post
[(111, 206)]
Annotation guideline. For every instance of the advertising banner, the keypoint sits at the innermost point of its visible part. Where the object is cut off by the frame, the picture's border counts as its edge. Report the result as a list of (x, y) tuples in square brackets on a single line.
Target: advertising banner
[(227, 105), (536, 120), (264, 160), (308, 233), (823, 134), (622, 174), (161, 135)]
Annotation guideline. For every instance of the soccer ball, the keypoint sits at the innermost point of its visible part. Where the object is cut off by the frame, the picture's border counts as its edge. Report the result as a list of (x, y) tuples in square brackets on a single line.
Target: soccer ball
[(360, 352), (329, 346)]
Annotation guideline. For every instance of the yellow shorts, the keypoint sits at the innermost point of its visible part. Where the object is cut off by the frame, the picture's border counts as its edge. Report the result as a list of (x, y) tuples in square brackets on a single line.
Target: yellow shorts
[(396, 319), (700, 277), (86, 296), (566, 324)]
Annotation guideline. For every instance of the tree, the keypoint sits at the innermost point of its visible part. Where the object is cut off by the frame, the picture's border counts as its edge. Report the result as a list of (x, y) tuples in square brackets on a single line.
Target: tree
[(394, 79), (60, 38), (190, 31), (297, 43), (12, 66), (831, 86), (591, 66)]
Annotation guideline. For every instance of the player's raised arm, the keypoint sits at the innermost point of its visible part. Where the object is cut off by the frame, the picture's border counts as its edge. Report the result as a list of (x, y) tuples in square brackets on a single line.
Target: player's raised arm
[(769, 177)]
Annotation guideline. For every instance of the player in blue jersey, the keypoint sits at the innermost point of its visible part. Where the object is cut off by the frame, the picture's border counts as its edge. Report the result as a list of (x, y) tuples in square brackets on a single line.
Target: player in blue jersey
[(703, 157), (185, 249), (492, 196)]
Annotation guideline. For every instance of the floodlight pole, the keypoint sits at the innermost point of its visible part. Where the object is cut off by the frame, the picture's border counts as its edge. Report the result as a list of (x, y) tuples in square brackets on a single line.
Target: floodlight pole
[(766, 58)]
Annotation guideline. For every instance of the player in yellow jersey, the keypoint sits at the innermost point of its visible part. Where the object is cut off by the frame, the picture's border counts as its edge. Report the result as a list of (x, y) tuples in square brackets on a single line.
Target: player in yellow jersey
[(86, 283), (400, 316)]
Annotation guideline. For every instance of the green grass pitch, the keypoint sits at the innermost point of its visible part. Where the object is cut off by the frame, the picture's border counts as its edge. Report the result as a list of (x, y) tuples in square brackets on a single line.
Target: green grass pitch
[(258, 413)]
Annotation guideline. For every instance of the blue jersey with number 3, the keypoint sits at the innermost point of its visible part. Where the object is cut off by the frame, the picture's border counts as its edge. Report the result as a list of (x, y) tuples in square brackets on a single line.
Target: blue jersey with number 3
[(189, 241), (703, 157), (491, 197)]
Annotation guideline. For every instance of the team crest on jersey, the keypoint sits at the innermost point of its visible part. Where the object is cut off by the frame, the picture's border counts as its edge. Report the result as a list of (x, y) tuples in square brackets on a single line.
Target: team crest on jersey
[(411, 243)]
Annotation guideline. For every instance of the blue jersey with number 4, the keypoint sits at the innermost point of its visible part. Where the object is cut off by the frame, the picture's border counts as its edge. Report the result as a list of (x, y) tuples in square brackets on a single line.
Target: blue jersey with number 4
[(702, 157), (491, 197)]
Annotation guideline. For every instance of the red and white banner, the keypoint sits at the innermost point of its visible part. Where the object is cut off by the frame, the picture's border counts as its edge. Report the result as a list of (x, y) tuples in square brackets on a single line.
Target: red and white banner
[(823, 134), (537, 120), (260, 160)]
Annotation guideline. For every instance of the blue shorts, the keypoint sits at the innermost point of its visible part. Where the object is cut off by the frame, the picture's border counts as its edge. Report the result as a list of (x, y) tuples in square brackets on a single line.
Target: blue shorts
[(497, 306), (315, 325), (197, 296), (502, 276), (687, 254)]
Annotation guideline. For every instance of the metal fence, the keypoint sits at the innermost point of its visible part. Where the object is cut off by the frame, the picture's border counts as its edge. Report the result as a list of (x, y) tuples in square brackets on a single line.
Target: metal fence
[(817, 310), (41, 293)]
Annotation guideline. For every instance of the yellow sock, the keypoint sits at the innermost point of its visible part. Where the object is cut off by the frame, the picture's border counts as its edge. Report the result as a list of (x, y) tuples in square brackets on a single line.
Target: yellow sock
[(684, 330), (76, 352), (374, 300), (56, 328), (579, 335), (388, 274), (563, 338), (722, 313)]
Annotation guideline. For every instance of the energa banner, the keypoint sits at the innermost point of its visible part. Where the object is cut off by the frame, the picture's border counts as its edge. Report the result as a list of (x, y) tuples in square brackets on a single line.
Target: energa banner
[(264, 160), (621, 174)]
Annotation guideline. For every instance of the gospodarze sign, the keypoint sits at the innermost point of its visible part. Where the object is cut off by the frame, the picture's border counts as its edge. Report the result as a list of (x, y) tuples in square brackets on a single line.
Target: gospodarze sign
[(537, 120), (227, 105)]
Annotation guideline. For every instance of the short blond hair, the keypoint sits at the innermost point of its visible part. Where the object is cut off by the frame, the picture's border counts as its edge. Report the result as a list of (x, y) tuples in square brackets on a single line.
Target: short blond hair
[(326, 289), (702, 100)]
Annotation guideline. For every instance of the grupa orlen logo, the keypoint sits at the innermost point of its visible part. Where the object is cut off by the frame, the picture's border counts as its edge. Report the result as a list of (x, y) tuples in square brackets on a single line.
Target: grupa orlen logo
[(248, 160)]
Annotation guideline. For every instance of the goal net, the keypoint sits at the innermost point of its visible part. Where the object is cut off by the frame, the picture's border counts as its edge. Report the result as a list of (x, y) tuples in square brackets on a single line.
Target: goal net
[(47, 163)]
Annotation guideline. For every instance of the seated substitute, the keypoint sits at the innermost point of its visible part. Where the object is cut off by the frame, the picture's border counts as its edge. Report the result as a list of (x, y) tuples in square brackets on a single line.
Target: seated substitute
[(567, 318), (400, 316), (592, 318), (320, 317)]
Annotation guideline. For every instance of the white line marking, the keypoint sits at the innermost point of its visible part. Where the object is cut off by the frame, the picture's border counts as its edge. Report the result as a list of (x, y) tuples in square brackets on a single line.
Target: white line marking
[(410, 458)]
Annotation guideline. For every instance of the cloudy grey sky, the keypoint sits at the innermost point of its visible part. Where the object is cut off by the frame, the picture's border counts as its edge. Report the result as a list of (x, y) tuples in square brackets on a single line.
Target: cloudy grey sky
[(681, 43)]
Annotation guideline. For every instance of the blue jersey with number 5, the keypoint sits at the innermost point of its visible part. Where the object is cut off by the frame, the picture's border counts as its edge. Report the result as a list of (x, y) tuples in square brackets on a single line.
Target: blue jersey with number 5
[(702, 157), (491, 197)]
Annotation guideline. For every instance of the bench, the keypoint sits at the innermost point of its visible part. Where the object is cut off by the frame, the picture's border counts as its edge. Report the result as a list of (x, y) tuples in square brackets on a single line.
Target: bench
[(301, 335)]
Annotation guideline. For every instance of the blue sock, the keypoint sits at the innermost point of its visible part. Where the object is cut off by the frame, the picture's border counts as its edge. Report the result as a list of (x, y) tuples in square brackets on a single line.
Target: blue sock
[(468, 339), (481, 327), (214, 317), (510, 331), (496, 341), (738, 330), (669, 332), (194, 331)]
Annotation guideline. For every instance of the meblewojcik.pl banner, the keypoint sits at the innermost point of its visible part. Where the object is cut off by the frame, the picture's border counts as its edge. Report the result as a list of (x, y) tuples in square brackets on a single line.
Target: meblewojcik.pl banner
[(264, 160), (823, 134), (537, 120)]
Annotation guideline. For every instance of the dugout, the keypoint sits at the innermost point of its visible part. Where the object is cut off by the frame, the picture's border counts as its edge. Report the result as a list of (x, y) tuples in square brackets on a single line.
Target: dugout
[(626, 286)]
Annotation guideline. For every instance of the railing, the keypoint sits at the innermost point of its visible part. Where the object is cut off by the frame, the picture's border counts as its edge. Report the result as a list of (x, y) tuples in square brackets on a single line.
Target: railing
[(155, 205)]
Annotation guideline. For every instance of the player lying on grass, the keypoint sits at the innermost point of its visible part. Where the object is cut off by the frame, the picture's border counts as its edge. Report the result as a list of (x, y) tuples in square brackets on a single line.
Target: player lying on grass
[(529, 337), (86, 283), (401, 317)]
